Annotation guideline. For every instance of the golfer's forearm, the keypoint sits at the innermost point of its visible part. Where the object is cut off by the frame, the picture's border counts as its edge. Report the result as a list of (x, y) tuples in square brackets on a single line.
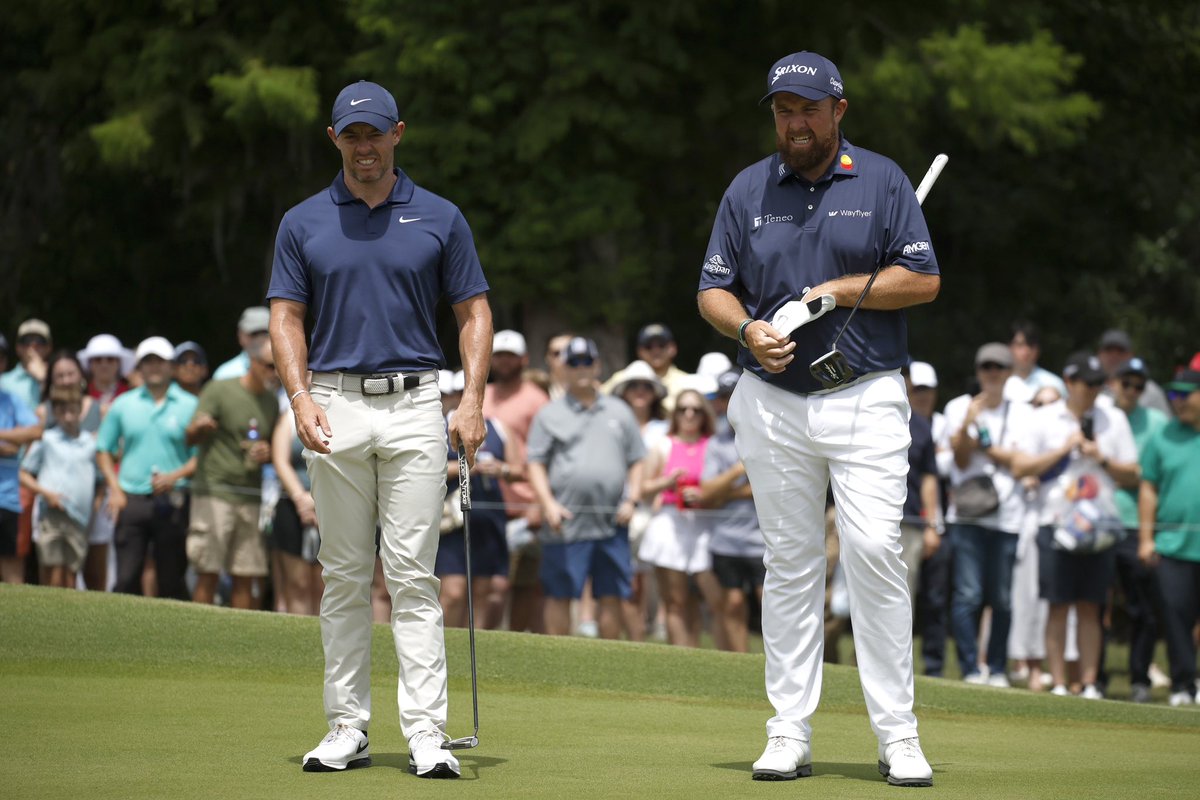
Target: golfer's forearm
[(896, 287), (474, 317), (721, 309), (288, 344)]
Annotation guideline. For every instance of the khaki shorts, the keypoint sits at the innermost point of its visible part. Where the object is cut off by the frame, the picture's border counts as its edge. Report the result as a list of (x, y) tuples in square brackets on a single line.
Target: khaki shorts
[(61, 541), (224, 536)]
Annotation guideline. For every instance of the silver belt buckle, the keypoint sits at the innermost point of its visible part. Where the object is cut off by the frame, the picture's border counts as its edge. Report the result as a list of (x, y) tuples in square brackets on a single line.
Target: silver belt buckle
[(380, 384)]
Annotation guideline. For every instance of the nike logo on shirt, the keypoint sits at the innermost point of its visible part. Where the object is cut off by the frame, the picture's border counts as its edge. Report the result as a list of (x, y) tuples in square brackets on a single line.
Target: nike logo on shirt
[(402, 220)]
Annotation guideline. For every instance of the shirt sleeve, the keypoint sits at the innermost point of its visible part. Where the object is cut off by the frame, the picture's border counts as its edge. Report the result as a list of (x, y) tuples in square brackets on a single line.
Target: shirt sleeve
[(540, 441), (108, 438), (720, 268), (462, 274), (1151, 461), (32, 463), (907, 235), (209, 401), (290, 279), (635, 448), (1124, 446), (23, 413)]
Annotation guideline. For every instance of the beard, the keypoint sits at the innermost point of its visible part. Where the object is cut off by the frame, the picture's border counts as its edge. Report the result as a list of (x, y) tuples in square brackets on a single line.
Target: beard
[(802, 160)]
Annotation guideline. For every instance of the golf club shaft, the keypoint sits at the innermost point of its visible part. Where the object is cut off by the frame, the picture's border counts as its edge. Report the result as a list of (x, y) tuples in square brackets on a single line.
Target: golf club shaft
[(931, 176), (464, 485)]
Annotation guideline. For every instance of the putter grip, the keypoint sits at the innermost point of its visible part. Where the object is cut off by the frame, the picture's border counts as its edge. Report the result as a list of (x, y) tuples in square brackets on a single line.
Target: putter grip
[(464, 481)]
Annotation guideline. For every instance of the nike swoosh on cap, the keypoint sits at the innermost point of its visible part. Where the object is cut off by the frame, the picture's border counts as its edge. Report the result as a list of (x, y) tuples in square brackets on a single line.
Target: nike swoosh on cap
[(356, 102)]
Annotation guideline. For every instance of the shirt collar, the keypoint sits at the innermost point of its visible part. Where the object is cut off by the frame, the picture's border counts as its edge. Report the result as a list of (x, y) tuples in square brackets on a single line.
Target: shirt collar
[(578, 406), (402, 191), (845, 164)]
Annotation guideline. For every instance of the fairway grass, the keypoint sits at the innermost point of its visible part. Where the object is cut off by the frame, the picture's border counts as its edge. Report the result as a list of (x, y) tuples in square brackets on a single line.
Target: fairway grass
[(106, 696)]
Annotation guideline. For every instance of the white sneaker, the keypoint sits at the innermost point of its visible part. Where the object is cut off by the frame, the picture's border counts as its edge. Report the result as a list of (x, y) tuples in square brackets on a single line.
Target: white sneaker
[(1091, 692), (903, 763), (785, 759), (1060, 691), (1158, 678), (1139, 693), (976, 679), (999, 680), (427, 759), (1181, 699), (344, 747)]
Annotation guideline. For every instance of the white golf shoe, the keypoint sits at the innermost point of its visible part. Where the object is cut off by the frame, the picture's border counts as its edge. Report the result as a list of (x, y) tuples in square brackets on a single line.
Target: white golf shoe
[(343, 748), (903, 763), (785, 759), (427, 759)]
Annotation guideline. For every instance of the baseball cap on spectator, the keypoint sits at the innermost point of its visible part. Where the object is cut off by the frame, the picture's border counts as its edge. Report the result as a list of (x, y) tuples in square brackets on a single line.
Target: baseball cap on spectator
[(922, 373), (654, 332), (727, 382), (105, 345), (704, 384), (509, 342), (1134, 366), (713, 364), (994, 353), (365, 102), (812, 76), (580, 352), (154, 346), (33, 327), (255, 319), (1187, 382), (639, 371), (1084, 367), (3, 344), (1116, 339), (191, 347), (445, 381)]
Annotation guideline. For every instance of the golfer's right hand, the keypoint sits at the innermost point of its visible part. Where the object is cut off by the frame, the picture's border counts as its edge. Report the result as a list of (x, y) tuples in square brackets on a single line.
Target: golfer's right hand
[(312, 426), (768, 346)]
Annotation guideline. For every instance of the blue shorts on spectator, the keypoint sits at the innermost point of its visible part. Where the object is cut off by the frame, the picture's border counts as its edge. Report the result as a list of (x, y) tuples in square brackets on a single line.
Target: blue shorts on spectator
[(566, 566)]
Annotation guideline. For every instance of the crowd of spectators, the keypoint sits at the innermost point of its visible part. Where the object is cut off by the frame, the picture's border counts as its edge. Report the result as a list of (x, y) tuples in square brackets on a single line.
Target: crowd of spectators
[(1046, 510)]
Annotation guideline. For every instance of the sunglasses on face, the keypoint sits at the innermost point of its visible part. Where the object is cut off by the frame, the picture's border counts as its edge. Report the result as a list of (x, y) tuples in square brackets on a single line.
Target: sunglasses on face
[(1137, 386), (683, 410), (640, 386), (104, 359), (1175, 394), (29, 339), (991, 366), (190, 362), (580, 361), (655, 344)]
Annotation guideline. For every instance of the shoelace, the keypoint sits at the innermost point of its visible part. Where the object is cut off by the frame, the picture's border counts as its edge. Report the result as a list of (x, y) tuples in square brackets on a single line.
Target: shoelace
[(909, 748), (778, 743), (419, 740), (338, 732)]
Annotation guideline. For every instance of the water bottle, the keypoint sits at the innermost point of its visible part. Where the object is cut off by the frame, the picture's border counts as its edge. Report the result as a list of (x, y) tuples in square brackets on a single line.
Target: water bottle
[(486, 482), (985, 437), (252, 437)]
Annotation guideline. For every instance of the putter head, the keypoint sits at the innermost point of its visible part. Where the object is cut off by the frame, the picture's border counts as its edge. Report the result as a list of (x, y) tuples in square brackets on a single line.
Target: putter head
[(795, 313), (832, 369), (465, 743)]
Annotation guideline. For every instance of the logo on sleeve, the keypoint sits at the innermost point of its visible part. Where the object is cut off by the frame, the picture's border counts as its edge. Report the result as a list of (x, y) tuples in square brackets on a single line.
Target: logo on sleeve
[(716, 265), (915, 247)]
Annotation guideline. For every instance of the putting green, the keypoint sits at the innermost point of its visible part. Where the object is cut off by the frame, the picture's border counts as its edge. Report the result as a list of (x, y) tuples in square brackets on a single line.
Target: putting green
[(108, 696)]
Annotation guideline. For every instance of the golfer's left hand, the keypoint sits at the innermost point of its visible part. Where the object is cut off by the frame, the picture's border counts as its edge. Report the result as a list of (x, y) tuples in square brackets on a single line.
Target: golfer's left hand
[(768, 346), (467, 429)]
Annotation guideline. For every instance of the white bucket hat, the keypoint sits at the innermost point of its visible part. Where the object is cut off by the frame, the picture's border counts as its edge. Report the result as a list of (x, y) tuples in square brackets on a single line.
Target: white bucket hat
[(639, 371), (106, 345)]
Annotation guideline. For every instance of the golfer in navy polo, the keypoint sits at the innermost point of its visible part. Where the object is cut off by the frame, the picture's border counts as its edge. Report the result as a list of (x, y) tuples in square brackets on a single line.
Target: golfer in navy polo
[(814, 219), (370, 256)]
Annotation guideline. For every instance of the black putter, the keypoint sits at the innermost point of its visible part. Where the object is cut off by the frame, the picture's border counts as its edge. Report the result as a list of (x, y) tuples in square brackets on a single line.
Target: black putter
[(464, 494)]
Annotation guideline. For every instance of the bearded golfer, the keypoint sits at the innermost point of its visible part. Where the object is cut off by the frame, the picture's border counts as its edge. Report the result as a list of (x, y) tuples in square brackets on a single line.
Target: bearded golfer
[(815, 219), (370, 256)]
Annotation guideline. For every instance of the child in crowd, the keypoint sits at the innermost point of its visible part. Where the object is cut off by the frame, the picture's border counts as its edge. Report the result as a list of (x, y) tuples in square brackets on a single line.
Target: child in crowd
[(61, 470)]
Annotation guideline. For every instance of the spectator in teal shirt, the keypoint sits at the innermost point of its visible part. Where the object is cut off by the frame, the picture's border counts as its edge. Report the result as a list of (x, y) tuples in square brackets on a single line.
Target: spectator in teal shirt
[(146, 427), (1169, 528)]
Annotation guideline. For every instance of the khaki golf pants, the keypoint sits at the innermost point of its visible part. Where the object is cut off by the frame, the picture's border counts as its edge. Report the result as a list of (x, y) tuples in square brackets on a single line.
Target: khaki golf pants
[(388, 464), (794, 446)]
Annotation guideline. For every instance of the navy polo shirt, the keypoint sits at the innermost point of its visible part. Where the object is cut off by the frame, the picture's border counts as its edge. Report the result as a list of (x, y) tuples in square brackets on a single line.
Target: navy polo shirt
[(777, 234), (373, 276)]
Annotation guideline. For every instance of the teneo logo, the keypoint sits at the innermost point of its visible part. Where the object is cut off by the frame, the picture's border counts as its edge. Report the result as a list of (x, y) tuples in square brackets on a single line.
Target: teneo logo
[(915, 247), (767, 219), (857, 213), (716, 265), (800, 69)]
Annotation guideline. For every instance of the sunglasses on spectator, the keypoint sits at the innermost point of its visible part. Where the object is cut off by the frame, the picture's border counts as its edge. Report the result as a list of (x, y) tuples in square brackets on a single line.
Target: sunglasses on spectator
[(689, 410), (1137, 386), (655, 344), (580, 361), (32, 338), (190, 361), (990, 366), (1175, 394), (105, 359)]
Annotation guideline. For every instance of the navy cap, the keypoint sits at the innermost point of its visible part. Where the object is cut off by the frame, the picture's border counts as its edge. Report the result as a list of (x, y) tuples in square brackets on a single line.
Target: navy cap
[(365, 102), (1116, 338), (1084, 367), (1134, 366), (580, 350), (809, 75), (652, 332), (727, 381), (1187, 382), (191, 347)]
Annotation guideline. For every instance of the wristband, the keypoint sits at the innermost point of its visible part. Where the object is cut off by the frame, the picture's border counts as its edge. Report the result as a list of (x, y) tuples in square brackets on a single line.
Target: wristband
[(742, 332), (292, 399)]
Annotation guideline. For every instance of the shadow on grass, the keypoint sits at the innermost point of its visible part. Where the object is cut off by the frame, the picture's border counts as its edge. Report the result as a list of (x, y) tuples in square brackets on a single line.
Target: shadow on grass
[(470, 764), (855, 771)]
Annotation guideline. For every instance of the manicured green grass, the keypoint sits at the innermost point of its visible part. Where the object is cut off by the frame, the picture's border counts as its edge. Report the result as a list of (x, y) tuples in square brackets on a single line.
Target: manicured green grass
[(106, 696)]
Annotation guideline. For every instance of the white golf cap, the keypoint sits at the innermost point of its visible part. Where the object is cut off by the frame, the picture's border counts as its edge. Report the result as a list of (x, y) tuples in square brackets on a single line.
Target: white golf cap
[(922, 373), (508, 342), (704, 384), (105, 345), (639, 371), (155, 346), (713, 364)]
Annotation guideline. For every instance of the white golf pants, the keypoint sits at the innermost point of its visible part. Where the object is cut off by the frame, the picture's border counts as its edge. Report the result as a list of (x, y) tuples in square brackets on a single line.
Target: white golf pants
[(388, 464), (794, 446)]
